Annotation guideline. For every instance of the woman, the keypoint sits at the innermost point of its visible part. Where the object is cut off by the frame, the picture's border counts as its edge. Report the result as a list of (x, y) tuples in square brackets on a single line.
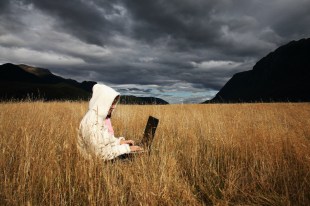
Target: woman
[(96, 135)]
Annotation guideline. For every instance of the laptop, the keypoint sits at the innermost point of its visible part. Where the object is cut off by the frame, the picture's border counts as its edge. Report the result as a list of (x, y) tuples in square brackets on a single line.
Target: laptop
[(149, 133), (147, 139)]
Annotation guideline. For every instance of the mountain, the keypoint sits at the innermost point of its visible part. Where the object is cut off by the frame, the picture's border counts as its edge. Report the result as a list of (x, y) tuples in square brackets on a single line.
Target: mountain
[(23, 82), (141, 100), (36, 71), (281, 76), (26, 82)]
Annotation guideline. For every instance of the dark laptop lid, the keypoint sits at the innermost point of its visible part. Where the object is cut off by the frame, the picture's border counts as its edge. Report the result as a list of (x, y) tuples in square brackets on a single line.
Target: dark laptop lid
[(149, 132)]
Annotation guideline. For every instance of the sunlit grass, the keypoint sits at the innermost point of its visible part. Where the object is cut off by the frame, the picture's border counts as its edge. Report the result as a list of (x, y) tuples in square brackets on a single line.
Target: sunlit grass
[(233, 154)]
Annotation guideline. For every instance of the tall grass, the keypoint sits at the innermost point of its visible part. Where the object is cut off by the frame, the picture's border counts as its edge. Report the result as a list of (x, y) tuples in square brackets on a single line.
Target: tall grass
[(236, 154)]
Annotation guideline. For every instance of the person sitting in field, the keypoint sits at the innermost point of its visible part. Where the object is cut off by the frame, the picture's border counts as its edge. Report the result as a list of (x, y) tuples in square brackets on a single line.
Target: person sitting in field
[(96, 134)]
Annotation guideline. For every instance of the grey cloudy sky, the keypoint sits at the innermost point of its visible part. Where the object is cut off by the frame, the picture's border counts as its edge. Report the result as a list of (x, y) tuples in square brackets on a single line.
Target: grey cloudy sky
[(177, 50)]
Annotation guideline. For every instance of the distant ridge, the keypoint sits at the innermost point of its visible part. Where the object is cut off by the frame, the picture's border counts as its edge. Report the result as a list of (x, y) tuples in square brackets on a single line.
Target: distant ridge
[(19, 82), (36, 71), (141, 100), (281, 76), (24, 82)]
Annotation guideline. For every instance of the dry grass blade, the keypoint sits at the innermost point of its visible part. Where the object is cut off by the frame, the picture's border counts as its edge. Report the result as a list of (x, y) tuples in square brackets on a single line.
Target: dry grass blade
[(238, 154)]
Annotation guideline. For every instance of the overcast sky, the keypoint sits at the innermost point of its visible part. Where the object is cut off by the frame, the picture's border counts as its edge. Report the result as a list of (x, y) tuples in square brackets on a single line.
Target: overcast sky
[(177, 50)]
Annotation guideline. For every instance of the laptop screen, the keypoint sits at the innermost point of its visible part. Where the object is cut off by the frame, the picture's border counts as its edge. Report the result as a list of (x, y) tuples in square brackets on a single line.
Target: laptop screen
[(149, 132)]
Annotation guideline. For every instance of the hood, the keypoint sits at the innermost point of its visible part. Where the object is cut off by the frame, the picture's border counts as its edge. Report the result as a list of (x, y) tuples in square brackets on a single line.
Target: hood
[(102, 99)]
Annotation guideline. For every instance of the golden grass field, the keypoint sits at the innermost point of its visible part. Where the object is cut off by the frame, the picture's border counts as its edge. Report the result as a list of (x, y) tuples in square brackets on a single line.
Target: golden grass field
[(216, 154)]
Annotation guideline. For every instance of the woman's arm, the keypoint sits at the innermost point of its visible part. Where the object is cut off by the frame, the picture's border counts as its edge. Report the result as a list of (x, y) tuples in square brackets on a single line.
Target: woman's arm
[(106, 145)]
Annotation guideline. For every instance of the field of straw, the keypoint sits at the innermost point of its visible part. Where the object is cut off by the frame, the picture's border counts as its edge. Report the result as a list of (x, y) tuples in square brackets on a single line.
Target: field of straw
[(228, 154)]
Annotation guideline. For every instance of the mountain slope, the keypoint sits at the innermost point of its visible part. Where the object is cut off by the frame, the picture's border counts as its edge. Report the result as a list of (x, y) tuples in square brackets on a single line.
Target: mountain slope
[(25, 82), (141, 100), (283, 75)]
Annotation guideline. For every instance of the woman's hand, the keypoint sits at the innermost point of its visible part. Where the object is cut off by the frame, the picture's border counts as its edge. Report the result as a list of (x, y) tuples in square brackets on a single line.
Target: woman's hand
[(136, 149), (130, 142)]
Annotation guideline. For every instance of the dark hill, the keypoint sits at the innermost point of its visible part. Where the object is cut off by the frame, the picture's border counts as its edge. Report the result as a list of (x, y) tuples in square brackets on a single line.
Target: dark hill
[(23, 82), (141, 100), (281, 76), (36, 71), (19, 82)]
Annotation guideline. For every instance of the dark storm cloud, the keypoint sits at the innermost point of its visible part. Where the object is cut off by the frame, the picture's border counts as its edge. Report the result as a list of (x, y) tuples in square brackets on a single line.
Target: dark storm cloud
[(187, 25), (293, 22), (188, 46), (135, 90), (3, 5), (177, 19), (82, 19), (9, 20)]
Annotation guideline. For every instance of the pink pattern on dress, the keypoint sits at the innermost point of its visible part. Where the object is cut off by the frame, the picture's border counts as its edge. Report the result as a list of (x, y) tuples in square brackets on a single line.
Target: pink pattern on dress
[(109, 125)]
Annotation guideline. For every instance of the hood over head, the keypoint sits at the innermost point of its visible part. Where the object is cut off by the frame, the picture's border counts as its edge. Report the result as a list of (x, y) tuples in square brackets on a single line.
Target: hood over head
[(102, 99)]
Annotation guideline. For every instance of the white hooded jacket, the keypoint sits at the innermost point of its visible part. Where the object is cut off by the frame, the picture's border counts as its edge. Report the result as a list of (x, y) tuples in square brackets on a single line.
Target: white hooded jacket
[(93, 137)]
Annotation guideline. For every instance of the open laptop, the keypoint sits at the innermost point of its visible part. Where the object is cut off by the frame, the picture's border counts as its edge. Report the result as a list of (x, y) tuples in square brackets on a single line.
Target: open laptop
[(149, 133), (147, 139)]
